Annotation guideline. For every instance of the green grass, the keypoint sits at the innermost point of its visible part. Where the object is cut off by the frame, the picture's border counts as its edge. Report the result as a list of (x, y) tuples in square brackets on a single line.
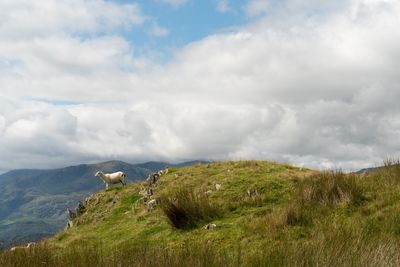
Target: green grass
[(267, 214)]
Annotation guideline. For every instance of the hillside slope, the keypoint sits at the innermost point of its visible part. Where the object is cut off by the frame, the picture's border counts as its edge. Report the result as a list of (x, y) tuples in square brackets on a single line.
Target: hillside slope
[(246, 213), (130, 220), (36, 200)]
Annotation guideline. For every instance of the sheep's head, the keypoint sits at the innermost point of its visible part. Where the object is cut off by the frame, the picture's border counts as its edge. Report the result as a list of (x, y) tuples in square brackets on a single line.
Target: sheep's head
[(98, 173)]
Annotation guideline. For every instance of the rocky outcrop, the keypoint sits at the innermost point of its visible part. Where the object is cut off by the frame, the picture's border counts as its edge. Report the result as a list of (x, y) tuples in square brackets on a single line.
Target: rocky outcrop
[(72, 216), (148, 192)]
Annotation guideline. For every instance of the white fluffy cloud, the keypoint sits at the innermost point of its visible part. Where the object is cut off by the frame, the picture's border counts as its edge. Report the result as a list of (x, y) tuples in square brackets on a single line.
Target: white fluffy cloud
[(25, 19), (256, 7), (318, 89)]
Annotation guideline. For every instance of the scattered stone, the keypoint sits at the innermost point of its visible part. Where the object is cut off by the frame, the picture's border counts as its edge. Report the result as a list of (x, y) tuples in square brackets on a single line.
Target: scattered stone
[(30, 244), (208, 192), (210, 226), (80, 209), (252, 192), (152, 179), (151, 205), (218, 187), (71, 214), (70, 224)]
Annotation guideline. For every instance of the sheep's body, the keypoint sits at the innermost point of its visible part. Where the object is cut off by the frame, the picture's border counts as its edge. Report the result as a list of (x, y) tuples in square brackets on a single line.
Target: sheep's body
[(112, 178)]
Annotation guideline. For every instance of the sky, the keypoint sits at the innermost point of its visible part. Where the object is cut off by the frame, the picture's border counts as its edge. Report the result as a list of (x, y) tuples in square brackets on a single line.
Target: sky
[(311, 82)]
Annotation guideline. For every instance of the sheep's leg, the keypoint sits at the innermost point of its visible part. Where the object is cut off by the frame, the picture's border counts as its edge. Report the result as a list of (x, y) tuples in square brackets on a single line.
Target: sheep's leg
[(106, 185)]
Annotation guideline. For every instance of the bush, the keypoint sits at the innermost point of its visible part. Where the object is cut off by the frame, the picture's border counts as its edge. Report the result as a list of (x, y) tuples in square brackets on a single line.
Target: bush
[(186, 209)]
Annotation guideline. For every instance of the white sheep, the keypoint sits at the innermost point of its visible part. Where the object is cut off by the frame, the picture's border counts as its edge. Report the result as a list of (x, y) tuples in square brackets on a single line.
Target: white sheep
[(112, 178)]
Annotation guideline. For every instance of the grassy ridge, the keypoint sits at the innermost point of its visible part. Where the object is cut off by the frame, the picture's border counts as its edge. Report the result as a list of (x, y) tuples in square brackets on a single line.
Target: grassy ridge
[(267, 215)]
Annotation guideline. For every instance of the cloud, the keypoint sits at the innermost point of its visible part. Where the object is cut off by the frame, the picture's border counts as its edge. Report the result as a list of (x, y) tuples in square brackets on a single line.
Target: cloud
[(295, 8), (25, 19), (223, 6), (256, 7), (316, 89), (175, 3), (158, 31)]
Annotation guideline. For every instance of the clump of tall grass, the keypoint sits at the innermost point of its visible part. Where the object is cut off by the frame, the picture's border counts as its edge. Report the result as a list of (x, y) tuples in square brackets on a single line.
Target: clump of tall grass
[(331, 188), (140, 254), (390, 172), (337, 246), (331, 248), (295, 214), (326, 189), (33, 257), (186, 209)]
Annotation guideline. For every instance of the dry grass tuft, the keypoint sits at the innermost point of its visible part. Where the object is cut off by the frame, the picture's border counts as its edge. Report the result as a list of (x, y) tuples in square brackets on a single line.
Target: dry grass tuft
[(331, 188), (185, 209)]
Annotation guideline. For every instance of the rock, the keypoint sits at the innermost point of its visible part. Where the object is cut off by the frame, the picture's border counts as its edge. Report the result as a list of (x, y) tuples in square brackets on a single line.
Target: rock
[(218, 187), (80, 209), (252, 192), (208, 192), (151, 205), (152, 179), (71, 214), (210, 226), (70, 224)]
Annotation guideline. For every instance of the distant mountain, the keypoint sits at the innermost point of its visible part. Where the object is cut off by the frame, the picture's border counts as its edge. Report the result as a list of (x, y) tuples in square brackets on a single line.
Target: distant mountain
[(368, 170), (33, 202)]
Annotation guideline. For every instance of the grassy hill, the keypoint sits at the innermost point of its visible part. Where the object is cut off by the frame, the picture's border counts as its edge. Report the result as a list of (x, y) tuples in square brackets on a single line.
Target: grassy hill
[(36, 200), (266, 214)]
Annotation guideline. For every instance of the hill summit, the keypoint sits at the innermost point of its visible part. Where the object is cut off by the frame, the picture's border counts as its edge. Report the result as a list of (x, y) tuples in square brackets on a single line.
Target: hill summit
[(240, 213)]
